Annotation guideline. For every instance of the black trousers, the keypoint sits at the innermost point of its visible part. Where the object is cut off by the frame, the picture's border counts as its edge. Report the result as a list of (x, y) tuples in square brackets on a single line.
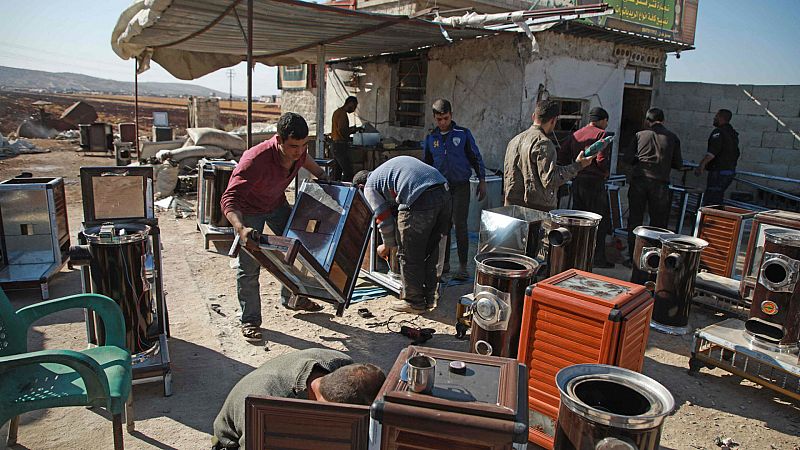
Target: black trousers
[(716, 185), (344, 161), (589, 194), (459, 199), (651, 196)]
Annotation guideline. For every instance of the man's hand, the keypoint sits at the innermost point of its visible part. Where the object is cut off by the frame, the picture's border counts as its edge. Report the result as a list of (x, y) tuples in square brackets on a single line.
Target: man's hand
[(481, 190), (383, 251), (584, 160), (245, 233)]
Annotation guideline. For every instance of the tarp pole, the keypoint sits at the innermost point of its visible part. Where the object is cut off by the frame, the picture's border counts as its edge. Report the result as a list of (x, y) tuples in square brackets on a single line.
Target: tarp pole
[(321, 101), (136, 105), (249, 73)]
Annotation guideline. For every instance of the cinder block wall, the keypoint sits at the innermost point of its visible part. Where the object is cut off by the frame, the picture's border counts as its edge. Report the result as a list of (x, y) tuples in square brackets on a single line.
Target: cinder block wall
[(768, 125)]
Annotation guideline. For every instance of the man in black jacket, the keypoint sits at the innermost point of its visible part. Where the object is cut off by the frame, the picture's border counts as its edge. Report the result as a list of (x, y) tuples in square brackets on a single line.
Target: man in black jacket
[(720, 161), (657, 152)]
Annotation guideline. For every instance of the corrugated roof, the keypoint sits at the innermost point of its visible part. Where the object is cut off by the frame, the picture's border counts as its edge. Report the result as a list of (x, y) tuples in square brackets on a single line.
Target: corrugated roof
[(191, 38)]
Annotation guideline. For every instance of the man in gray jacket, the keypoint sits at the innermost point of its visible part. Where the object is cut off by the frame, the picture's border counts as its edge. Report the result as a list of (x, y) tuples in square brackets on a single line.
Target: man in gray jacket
[(530, 173), (314, 374)]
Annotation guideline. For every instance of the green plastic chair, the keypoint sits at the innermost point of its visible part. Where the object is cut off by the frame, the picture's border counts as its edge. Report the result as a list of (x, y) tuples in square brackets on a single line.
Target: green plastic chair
[(95, 377)]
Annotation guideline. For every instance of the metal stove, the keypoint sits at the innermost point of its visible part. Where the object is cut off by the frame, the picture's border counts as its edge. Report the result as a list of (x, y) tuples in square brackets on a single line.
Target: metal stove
[(212, 180)]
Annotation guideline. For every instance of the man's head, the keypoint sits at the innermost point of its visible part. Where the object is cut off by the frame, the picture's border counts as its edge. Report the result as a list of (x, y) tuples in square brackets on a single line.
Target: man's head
[(654, 115), (546, 114), (360, 178), (599, 117), (355, 383), (292, 136), (442, 113), (350, 104), (722, 117)]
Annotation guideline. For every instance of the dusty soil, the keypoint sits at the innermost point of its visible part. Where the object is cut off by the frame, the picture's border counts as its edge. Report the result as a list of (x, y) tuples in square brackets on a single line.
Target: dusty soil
[(209, 356)]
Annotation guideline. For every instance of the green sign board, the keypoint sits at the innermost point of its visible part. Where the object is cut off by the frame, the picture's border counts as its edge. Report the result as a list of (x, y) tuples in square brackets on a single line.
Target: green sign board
[(666, 19)]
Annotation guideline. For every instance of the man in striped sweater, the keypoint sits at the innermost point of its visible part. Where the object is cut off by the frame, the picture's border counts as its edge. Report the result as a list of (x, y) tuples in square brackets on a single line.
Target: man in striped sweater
[(419, 192)]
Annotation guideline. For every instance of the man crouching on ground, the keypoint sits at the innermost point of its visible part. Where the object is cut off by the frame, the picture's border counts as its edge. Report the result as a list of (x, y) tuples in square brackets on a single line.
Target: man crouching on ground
[(314, 374), (423, 217)]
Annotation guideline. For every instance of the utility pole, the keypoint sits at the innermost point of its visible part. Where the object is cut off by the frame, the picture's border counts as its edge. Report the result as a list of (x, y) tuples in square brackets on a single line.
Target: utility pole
[(231, 74)]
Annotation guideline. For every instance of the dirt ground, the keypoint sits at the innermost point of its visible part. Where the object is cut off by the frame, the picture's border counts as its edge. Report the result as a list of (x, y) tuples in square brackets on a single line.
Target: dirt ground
[(209, 356)]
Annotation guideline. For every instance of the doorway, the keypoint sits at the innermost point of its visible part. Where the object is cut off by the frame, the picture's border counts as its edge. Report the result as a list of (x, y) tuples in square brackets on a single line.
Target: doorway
[(635, 103)]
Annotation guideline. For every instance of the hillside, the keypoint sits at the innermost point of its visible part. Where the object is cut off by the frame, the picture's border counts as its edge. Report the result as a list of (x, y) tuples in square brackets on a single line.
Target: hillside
[(12, 78)]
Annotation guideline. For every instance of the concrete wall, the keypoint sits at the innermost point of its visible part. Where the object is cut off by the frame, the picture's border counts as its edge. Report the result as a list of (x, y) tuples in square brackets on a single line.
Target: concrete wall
[(301, 102), (493, 84), (768, 125)]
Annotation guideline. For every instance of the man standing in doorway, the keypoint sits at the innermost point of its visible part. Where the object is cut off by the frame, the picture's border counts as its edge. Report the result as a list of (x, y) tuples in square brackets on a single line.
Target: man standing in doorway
[(530, 174), (451, 149), (588, 188), (721, 159), (657, 152), (340, 133), (255, 196)]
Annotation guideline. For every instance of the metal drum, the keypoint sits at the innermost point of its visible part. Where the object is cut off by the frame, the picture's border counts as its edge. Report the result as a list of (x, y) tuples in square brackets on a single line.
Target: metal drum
[(677, 269), (222, 175), (571, 240), (646, 253), (609, 408), (500, 284), (774, 321), (120, 269)]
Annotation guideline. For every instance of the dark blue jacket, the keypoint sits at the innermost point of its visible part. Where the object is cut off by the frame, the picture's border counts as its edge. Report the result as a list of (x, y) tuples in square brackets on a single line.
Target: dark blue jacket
[(454, 154)]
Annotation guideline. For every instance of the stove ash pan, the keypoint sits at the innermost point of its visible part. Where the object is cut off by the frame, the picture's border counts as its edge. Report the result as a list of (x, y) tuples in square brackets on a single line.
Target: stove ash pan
[(610, 408)]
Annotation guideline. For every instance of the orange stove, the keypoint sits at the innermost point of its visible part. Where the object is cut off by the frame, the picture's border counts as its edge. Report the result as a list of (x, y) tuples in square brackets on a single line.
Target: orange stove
[(578, 317)]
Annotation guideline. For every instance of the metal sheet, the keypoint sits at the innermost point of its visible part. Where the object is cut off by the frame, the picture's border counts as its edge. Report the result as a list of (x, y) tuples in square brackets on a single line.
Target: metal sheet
[(27, 272), (25, 212), (510, 229)]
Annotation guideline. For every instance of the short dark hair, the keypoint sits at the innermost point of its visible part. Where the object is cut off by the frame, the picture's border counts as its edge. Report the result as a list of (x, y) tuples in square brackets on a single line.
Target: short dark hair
[(547, 110), (725, 114), (361, 177), (292, 125), (355, 383), (441, 106), (351, 99), (655, 115)]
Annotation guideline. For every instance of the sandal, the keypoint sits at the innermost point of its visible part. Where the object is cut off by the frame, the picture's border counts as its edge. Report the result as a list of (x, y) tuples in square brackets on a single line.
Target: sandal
[(307, 306), (251, 332)]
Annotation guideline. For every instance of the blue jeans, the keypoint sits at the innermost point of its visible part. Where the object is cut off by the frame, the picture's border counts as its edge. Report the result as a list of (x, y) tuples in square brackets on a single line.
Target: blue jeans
[(247, 286), (716, 185)]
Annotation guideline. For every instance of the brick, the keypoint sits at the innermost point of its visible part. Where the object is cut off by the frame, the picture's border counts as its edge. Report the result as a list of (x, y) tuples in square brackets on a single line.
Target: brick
[(791, 92), (750, 108), (777, 170), (702, 119), (794, 172), (777, 140), (784, 109), (788, 156), (718, 103), (755, 154), (696, 103), (750, 138), (768, 92), (746, 124), (736, 91), (709, 90), (789, 125)]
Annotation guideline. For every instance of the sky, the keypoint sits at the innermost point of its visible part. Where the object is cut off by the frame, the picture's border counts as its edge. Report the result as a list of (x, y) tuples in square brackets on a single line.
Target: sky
[(737, 41)]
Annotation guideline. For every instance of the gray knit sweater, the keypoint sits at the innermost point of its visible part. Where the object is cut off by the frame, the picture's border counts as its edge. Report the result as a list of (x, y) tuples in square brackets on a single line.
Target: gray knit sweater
[(284, 376)]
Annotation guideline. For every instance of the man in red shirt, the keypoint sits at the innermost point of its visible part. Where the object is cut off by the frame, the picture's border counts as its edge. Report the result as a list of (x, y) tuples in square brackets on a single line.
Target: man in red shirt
[(588, 188), (255, 196)]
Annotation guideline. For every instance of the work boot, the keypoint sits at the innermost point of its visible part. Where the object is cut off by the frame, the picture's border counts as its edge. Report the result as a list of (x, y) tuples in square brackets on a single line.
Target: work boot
[(462, 273), (406, 307)]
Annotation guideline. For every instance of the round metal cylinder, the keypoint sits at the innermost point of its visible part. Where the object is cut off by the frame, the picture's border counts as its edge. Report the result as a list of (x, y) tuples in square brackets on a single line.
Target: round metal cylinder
[(609, 408), (571, 238), (222, 175), (510, 274), (646, 253), (677, 269), (118, 271), (774, 319)]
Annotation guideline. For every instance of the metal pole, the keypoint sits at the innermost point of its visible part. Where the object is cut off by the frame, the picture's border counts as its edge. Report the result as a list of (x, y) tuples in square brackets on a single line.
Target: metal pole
[(249, 73), (136, 105), (321, 101)]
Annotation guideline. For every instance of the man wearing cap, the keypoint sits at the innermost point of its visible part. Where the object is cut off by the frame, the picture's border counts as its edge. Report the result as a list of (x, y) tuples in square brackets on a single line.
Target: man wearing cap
[(721, 159), (530, 173), (588, 188), (657, 151)]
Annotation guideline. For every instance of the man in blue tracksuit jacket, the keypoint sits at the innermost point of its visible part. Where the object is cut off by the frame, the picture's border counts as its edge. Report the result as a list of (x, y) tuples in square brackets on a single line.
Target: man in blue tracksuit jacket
[(451, 149)]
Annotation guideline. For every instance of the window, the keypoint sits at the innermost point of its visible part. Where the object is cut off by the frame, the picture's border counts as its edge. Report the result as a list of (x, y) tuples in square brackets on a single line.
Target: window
[(570, 118), (639, 76), (409, 95)]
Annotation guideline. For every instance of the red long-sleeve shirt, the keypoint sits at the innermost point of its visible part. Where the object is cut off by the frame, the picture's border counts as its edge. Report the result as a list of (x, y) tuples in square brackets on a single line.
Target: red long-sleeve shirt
[(577, 142), (258, 182)]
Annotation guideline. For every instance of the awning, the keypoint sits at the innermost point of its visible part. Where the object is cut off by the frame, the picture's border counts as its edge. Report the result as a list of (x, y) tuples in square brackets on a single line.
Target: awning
[(191, 38)]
